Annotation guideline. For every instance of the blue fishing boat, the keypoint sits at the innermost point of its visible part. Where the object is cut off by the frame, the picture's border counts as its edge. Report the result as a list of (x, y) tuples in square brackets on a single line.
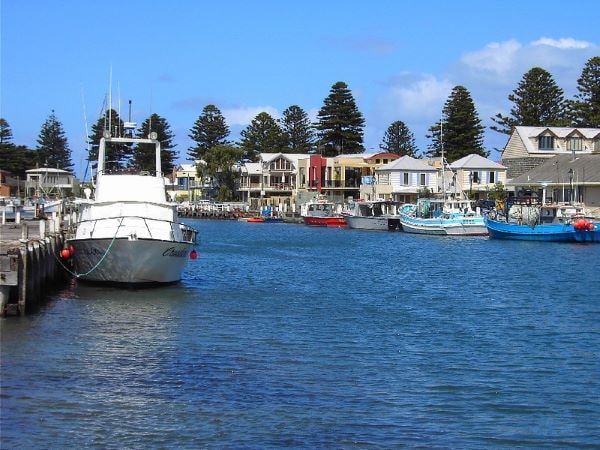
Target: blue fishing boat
[(545, 223)]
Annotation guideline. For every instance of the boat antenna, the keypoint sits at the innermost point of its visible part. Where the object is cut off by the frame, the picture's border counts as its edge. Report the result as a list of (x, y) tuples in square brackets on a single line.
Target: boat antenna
[(119, 97), (110, 100)]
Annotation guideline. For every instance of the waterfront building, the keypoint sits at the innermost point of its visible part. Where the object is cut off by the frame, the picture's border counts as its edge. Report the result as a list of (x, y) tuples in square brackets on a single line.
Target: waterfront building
[(188, 186), (9, 184), (529, 147), (404, 180), (340, 177), (475, 175), (271, 181), (47, 181), (563, 178)]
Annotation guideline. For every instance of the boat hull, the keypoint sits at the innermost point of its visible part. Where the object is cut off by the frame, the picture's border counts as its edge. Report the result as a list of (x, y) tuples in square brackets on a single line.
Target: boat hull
[(130, 261), (543, 232), (328, 221), (442, 227), (372, 223)]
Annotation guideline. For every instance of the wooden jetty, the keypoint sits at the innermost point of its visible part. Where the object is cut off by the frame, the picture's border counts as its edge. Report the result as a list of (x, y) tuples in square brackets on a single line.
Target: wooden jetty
[(29, 264)]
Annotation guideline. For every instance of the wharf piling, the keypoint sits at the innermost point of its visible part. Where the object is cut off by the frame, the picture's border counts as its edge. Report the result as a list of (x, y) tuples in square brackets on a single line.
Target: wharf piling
[(29, 264)]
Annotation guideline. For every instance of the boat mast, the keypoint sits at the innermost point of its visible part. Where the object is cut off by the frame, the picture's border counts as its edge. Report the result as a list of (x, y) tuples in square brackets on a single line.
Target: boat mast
[(443, 164)]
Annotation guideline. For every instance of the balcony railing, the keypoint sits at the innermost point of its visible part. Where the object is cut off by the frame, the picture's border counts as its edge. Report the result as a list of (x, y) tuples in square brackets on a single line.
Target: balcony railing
[(267, 187)]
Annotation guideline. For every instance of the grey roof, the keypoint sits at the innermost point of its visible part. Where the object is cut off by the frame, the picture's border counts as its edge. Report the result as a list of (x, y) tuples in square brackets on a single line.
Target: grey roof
[(408, 163), (525, 133), (475, 161), (586, 170)]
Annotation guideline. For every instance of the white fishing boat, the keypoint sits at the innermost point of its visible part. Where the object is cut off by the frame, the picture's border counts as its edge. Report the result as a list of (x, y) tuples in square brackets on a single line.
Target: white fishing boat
[(373, 215), (449, 215), (128, 232), (443, 217)]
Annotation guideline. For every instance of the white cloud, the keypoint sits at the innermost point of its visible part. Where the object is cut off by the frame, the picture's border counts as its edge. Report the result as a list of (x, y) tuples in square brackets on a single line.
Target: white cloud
[(563, 43), (423, 97), (490, 73), (244, 115), (497, 58)]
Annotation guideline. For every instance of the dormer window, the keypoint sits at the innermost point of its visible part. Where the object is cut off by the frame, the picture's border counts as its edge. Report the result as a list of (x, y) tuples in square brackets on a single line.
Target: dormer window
[(575, 144), (546, 143)]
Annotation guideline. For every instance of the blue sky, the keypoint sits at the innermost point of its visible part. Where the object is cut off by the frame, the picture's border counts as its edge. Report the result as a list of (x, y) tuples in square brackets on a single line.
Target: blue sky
[(400, 59)]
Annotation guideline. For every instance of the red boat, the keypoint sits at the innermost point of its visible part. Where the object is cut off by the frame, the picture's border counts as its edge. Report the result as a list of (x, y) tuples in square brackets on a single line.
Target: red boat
[(321, 212)]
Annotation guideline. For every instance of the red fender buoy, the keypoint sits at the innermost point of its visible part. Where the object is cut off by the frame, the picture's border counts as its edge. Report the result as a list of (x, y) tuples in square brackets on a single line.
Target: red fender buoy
[(193, 254), (65, 253)]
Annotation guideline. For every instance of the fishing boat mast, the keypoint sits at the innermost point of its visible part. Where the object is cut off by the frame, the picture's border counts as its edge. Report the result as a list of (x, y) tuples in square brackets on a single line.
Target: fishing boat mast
[(443, 164)]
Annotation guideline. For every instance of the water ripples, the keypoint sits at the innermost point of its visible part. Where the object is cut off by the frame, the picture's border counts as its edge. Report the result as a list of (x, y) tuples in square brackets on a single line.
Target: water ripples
[(289, 336)]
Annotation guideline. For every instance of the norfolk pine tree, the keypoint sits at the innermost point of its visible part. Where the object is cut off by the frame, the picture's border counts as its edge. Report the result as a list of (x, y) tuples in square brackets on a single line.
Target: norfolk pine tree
[(340, 123), (263, 135), (53, 149), (585, 109), (144, 154), (209, 130), (399, 139), (537, 101), (297, 130), (462, 132)]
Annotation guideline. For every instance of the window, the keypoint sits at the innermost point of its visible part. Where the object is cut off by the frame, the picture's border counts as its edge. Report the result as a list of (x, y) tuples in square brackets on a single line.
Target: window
[(280, 164), (405, 179), (492, 176), (476, 177), (597, 145), (546, 143), (422, 179), (575, 144)]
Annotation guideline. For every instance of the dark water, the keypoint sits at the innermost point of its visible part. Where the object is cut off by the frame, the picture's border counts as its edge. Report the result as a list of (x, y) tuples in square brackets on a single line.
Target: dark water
[(290, 336)]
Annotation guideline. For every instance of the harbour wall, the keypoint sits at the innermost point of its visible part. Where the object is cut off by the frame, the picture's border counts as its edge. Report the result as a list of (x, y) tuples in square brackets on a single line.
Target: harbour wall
[(30, 265)]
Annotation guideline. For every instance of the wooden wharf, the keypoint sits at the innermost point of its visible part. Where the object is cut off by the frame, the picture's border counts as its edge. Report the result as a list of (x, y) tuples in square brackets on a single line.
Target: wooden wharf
[(29, 264)]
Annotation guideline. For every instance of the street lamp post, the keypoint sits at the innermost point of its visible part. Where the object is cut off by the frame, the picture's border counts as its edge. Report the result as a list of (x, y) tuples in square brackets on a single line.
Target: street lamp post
[(571, 184), (470, 185)]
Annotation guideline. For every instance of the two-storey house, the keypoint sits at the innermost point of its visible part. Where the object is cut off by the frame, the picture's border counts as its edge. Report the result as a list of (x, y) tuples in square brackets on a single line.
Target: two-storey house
[(404, 180), (529, 147), (475, 175), (270, 181), (47, 181)]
